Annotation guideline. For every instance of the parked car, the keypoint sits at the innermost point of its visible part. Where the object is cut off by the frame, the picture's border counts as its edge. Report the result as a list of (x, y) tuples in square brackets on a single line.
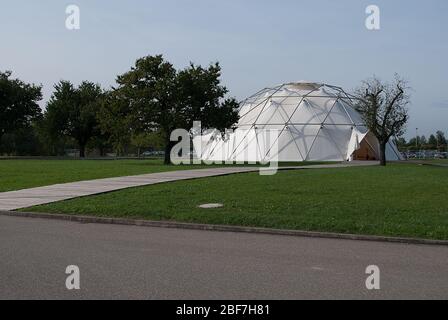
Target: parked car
[(148, 154)]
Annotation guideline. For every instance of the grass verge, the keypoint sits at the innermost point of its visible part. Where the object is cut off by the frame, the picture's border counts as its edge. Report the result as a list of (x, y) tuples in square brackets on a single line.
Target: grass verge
[(20, 174), (398, 200)]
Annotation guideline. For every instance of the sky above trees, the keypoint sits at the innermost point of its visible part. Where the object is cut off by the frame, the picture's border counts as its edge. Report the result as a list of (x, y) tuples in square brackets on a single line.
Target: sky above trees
[(258, 43)]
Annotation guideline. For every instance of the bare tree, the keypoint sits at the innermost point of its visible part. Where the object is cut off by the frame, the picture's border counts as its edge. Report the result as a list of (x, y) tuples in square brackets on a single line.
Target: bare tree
[(383, 107)]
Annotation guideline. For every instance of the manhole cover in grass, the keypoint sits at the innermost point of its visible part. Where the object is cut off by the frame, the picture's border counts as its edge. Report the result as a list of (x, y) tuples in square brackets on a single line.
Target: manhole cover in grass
[(211, 205)]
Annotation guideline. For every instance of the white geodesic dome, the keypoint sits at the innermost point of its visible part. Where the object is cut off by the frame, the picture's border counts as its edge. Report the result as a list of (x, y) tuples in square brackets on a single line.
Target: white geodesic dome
[(300, 121)]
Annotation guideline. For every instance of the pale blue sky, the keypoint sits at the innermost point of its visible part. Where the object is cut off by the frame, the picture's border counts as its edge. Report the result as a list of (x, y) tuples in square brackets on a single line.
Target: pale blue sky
[(258, 43)]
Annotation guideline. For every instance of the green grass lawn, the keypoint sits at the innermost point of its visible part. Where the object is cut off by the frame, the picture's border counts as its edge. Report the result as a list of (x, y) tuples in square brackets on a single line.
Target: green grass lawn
[(398, 200), (20, 174), (439, 161)]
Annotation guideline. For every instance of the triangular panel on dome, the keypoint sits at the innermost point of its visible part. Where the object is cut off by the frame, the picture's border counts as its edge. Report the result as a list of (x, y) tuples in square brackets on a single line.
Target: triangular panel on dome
[(274, 113), (338, 115), (286, 147), (250, 113), (306, 113), (245, 146), (326, 147), (288, 102), (322, 106), (303, 137), (392, 151), (354, 115)]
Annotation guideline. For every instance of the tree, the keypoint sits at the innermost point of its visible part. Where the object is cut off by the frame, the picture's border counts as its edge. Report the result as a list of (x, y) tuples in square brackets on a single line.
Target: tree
[(18, 103), (99, 142), (154, 96), (432, 142), (422, 141), (21, 142), (72, 112), (412, 144), (116, 120), (383, 107), (148, 90), (202, 98), (146, 140), (441, 140), (51, 144), (401, 143)]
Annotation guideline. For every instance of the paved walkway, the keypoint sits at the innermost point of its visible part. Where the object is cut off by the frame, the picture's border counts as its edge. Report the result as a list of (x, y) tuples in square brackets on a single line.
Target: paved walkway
[(25, 198)]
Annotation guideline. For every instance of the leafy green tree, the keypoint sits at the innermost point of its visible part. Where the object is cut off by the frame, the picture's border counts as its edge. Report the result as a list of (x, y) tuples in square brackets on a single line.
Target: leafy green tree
[(99, 142), (412, 144), (153, 96), (401, 143), (432, 142), (441, 140), (202, 98), (149, 90), (116, 120), (422, 141), (50, 144), (383, 107), (21, 142), (72, 112), (147, 140), (18, 103)]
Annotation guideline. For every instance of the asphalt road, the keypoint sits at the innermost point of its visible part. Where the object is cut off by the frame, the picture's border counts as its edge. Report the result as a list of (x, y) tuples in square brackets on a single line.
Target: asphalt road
[(127, 262)]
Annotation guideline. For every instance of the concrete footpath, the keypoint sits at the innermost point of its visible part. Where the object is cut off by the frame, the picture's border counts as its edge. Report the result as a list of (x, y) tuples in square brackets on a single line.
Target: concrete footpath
[(25, 198)]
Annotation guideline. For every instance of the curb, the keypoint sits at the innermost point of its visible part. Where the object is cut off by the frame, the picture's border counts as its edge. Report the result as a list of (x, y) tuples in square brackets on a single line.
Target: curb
[(222, 228)]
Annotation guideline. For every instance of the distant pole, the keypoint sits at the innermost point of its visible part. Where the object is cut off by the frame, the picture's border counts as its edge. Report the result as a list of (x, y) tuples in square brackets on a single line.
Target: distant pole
[(416, 138)]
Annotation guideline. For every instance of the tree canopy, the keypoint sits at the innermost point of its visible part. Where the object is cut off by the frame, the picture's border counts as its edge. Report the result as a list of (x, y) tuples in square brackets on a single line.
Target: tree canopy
[(441, 140), (18, 103), (383, 107), (154, 97), (72, 112)]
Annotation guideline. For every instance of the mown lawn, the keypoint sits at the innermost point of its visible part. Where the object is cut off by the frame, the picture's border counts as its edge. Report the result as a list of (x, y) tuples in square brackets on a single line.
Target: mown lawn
[(20, 174), (398, 200), (440, 161)]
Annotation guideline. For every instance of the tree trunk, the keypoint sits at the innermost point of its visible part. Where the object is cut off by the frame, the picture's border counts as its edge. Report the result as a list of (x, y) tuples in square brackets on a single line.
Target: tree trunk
[(82, 150), (167, 152), (383, 153)]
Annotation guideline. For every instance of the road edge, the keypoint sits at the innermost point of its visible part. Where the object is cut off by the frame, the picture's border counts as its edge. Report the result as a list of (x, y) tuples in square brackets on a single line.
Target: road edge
[(221, 228)]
